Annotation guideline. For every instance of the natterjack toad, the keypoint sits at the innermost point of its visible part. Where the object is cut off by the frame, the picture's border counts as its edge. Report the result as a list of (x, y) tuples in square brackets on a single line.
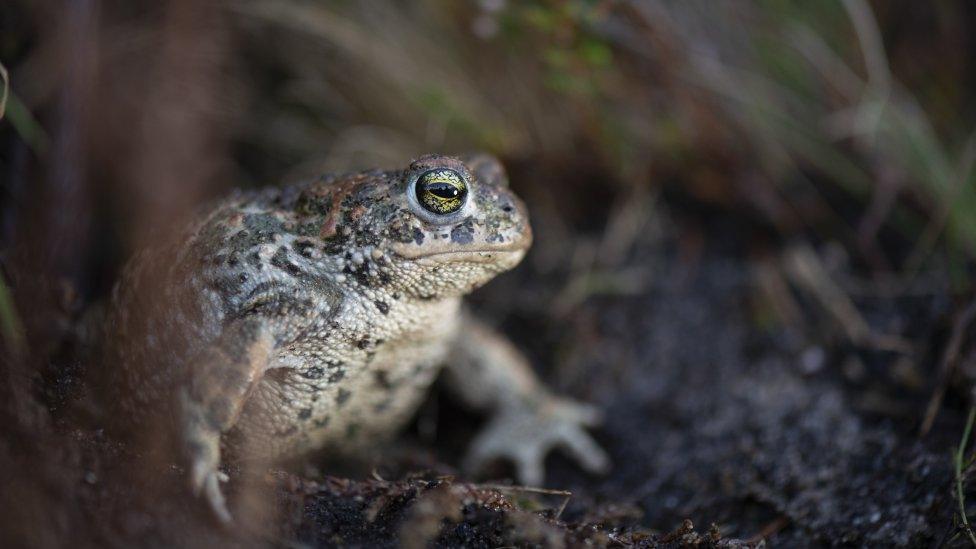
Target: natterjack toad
[(317, 315)]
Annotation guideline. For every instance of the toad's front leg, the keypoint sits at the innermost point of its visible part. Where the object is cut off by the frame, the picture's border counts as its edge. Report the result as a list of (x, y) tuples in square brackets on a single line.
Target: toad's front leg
[(222, 377), (528, 421)]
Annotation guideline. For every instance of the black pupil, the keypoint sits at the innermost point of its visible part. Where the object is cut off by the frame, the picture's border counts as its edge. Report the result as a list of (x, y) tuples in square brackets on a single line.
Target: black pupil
[(443, 190)]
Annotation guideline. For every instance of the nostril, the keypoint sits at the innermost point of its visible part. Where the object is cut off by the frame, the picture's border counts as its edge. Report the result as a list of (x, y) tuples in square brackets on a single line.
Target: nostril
[(507, 208)]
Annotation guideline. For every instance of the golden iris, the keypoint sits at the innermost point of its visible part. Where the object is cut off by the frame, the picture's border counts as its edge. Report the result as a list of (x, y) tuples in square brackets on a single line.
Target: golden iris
[(441, 191)]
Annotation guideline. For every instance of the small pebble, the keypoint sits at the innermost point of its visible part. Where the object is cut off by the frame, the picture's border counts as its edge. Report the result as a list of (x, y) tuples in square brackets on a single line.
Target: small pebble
[(812, 360)]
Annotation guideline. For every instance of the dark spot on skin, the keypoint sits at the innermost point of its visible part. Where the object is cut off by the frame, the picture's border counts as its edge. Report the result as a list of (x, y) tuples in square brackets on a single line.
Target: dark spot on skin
[(418, 236), (315, 372), (385, 278), (351, 430), (507, 208), (280, 260), (363, 343), (263, 225), (382, 379), (382, 406), (336, 376), (232, 261), (321, 422), (362, 276), (242, 277), (304, 248), (342, 397), (382, 306), (462, 234), (261, 229), (367, 238), (335, 244), (304, 413), (254, 259), (278, 375)]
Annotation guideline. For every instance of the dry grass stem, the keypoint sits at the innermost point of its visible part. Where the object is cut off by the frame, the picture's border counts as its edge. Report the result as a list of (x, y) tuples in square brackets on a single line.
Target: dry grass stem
[(6, 90)]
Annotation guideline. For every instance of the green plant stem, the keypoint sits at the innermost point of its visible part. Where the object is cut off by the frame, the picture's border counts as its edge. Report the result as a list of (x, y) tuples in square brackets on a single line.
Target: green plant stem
[(960, 453)]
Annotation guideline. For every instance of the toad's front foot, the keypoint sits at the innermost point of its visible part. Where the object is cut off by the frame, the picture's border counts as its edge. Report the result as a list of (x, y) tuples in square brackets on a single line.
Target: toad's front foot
[(525, 432), (202, 446), (205, 480)]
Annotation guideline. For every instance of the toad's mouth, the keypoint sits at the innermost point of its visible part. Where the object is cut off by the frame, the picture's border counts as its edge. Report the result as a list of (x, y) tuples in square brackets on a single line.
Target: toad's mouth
[(451, 252), (474, 256), (477, 255)]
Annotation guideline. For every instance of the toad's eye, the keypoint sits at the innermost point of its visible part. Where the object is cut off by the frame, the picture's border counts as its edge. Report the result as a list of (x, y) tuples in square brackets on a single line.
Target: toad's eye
[(441, 191)]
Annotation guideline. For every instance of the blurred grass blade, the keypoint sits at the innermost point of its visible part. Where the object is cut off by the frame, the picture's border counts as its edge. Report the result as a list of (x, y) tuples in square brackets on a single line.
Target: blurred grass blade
[(6, 89), (11, 328), (24, 123), (26, 126), (958, 463)]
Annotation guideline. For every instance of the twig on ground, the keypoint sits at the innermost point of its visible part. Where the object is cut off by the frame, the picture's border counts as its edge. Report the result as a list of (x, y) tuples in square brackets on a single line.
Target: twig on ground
[(949, 360), (806, 270), (960, 454), (776, 292), (566, 494)]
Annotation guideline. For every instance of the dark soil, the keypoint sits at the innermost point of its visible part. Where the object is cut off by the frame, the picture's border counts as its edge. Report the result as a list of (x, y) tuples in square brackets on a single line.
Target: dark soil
[(783, 433)]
